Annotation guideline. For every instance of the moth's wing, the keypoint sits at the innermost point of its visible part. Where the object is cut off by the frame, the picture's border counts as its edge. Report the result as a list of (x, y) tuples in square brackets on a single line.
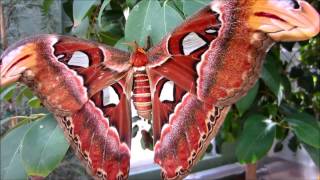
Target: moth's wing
[(100, 131), (98, 65), (198, 56), (165, 97), (183, 127)]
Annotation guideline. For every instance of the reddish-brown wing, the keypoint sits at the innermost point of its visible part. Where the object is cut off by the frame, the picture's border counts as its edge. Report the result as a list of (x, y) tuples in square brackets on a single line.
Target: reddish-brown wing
[(205, 80), (97, 64), (183, 127), (211, 57), (165, 98), (179, 54), (100, 131)]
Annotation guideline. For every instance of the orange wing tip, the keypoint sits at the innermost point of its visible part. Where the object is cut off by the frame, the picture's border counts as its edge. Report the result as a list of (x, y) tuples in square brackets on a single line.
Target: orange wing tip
[(284, 23)]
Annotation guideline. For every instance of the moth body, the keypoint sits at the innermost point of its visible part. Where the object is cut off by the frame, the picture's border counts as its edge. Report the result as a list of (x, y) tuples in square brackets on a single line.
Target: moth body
[(141, 86), (141, 93)]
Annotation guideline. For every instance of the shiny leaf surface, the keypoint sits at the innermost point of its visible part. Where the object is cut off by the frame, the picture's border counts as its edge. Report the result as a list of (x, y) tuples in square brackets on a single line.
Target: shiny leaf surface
[(306, 128), (10, 144), (43, 147), (256, 139)]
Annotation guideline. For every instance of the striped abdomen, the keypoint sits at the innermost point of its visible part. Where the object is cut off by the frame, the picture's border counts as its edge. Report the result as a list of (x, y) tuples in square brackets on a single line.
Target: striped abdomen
[(141, 93)]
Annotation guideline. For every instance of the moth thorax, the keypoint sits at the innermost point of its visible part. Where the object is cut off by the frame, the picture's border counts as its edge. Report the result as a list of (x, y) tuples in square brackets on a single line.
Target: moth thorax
[(141, 93), (139, 58)]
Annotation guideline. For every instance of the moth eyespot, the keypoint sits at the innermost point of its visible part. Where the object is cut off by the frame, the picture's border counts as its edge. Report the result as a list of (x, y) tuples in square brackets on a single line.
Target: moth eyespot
[(177, 173), (85, 156), (99, 173), (64, 119), (68, 123), (194, 157), (190, 162), (200, 145), (216, 111), (181, 172), (194, 154), (209, 126), (212, 119), (71, 131), (204, 136), (77, 142)]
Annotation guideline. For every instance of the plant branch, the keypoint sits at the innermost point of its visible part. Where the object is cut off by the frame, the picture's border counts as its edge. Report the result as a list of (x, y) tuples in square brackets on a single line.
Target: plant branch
[(251, 171), (3, 37)]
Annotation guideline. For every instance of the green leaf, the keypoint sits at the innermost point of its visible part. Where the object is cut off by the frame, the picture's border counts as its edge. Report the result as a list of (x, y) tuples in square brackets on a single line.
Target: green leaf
[(140, 21), (190, 7), (43, 148), (143, 22), (131, 3), (281, 133), (46, 6), (272, 79), (21, 120), (20, 96), (8, 92), (24, 92), (80, 9), (256, 139), (177, 5), (314, 153), (108, 38), (245, 103), (67, 8), (306, 128), (171, 19), (120, 45), (103, 6), (10, 145), (81, 30), (34, 102), (27, 92), (112, 22)]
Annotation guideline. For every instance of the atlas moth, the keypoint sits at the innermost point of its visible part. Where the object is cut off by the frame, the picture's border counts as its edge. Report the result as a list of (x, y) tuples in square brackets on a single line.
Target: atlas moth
[(205, 65)]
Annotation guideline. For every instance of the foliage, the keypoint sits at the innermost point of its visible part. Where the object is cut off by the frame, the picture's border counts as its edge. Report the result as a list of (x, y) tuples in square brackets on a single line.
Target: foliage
[(286, 100), (34, 148)]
